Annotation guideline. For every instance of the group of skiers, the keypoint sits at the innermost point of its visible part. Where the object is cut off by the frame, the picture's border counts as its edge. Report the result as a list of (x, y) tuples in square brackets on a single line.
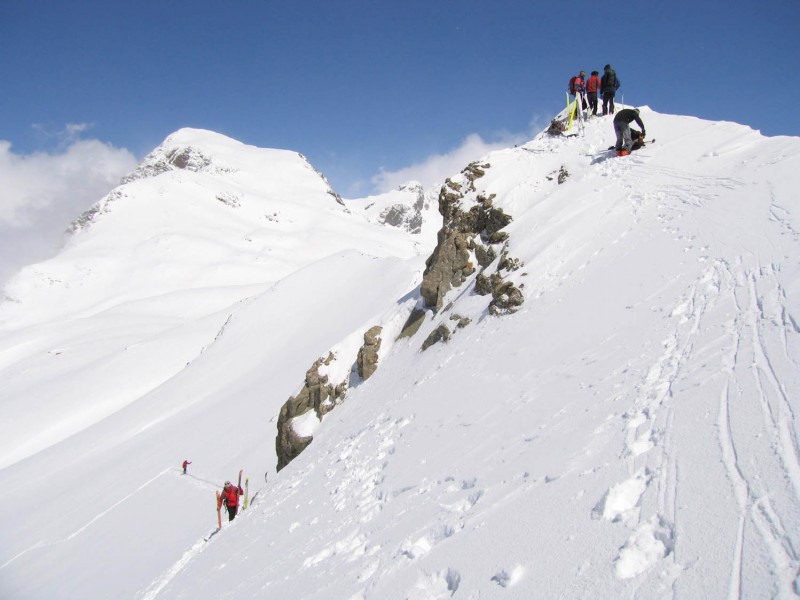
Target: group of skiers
[(582, 89), (607, 85)]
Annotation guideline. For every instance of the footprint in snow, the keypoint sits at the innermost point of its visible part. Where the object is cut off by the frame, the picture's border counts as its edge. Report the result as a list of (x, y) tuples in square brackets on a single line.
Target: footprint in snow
[(436, 586), (622, 500), (506, 578)]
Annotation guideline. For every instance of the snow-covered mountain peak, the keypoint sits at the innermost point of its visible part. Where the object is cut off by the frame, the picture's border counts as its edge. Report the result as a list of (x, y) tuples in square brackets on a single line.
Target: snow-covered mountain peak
[(202, 210)]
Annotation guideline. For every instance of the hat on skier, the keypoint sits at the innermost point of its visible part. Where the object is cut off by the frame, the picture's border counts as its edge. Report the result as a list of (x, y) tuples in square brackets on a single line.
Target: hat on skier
[(227, 484)]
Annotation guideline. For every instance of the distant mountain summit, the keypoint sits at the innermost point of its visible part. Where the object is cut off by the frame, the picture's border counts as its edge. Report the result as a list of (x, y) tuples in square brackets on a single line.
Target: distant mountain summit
[(201, 210)]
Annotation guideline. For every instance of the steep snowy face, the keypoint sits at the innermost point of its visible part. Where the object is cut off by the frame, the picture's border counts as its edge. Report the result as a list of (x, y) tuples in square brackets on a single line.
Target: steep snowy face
[(202, 210), (630, 431)]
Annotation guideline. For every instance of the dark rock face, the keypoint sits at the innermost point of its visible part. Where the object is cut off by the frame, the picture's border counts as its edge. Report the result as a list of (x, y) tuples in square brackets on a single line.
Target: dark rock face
[(318, 395), (461, 322), (162, 160), (321, 396), (476, 230), (440, 334), (367, 361), (506, 299), (413, 323)]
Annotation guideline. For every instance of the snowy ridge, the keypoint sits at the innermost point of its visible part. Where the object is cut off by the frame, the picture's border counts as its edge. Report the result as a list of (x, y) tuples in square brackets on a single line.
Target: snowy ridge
[(630, 431)]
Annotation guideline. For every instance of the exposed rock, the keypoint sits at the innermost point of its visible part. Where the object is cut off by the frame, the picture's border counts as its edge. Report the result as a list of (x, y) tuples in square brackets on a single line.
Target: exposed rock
[(449, 265), (440, 334), (461, 322), (508, 263), (485, 285), (446, 267), (317, 394), (164, 159), (413, 323), (557, 127), (330, 191), (410, 218), (99, 208), (367, 361), (229, 198), (188, 158), (485, 255), (562, 175), (506, 299)]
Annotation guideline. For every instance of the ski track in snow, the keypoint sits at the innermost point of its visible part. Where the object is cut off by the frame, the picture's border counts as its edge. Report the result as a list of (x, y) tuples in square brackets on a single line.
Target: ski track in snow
[(757, 331), (759, 340), (649, 455), (97, 517)]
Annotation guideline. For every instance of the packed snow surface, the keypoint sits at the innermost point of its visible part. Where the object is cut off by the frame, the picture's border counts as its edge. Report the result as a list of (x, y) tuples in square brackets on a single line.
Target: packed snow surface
[(631, 431)]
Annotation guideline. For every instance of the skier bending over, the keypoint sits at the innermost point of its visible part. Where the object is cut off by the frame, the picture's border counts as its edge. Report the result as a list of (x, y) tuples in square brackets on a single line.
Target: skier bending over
[(230, 498), (622, 127)]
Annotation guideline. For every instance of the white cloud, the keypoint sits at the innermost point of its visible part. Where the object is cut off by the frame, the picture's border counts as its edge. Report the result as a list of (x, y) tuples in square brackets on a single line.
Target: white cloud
[(436, 168), (42, 193)]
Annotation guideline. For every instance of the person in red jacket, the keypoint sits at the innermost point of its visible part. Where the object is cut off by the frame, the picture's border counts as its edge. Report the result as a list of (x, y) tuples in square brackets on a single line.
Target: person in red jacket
[(186, 463), (592, 87), (230, 498), (577, 89)]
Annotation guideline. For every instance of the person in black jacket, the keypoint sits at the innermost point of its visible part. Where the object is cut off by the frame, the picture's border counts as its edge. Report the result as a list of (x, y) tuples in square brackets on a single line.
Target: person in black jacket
[(622, 127), (609, 84)]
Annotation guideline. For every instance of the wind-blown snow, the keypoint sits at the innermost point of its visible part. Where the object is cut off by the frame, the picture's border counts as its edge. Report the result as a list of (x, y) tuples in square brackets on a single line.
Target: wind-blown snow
[(630, 432)]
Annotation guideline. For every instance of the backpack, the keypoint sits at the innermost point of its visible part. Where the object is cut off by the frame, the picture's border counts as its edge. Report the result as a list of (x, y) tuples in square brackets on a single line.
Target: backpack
[(572, 85)]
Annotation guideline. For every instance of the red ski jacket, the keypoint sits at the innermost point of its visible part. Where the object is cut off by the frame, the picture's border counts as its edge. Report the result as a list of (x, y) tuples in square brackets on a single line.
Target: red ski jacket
[(593, 84), (230, 495)]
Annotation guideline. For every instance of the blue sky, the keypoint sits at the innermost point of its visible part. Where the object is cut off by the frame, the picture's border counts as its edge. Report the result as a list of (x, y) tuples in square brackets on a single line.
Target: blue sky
[(369, 87)]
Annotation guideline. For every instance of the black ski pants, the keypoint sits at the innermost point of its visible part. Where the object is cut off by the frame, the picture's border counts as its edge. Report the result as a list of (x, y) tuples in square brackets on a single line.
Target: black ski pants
[(232, 510), (608, 102), (592, 101)]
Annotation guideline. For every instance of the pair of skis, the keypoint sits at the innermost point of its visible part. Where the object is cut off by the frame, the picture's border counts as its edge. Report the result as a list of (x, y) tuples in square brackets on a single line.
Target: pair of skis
[(245, 504)]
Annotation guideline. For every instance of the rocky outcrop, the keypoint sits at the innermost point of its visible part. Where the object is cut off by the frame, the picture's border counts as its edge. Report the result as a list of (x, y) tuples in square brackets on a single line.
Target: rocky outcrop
[(164, 159), (99, 208), (320, 395), (367, 360), (317, 394), (475, 231), (440, 334)]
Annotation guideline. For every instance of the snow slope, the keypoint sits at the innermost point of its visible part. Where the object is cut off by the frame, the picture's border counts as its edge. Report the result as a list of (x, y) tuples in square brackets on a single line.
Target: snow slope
[(630, 432), (169, 318)]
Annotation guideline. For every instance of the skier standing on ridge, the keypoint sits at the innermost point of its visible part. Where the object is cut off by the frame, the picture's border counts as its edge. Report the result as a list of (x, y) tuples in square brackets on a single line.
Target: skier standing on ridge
[(622, 127), (592, 87), (186, 463), (577, 88), (230, 497), (609, 84)]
